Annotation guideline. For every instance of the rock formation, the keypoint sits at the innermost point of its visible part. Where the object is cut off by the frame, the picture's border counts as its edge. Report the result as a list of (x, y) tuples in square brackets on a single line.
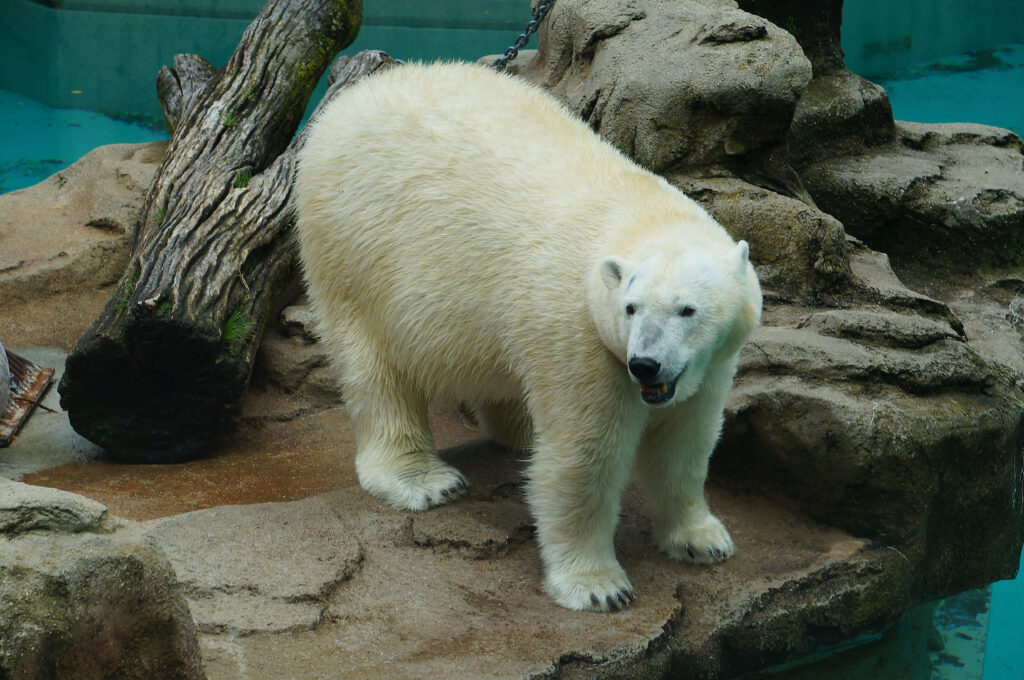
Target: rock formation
[(85, 595), (68, 237), (861, 402)]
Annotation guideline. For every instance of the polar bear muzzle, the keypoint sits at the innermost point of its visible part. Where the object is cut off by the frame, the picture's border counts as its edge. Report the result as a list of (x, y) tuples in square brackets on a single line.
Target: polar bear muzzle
[(646, 370)]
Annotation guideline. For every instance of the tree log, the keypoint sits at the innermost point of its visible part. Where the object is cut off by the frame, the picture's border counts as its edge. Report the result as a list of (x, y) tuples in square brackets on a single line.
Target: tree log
[(160, 375), (176, 86)]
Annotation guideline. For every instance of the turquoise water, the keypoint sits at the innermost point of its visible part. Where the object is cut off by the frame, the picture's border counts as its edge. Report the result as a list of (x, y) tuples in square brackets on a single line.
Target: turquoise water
[(976, 635), (1004, 652), (39, 140), (982, 86), (50, 93)]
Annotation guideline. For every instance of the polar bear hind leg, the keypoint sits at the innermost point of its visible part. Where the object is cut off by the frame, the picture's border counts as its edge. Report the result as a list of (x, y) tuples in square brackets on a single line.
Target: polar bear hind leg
[(396, 459), (507, 423)]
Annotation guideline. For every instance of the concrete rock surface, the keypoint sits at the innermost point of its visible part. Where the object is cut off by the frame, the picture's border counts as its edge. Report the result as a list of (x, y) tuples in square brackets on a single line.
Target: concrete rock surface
[(950, 195), (64, 242), (25, 508), (839, 114), (947, 195), (342, 585), (291, 372), (73, 228), (265, 568), (886, 422), (677, 84), (916, 433), (84, 595)]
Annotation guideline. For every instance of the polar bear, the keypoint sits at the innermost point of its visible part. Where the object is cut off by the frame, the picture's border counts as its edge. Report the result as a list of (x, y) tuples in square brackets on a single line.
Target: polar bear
[(464, 236)]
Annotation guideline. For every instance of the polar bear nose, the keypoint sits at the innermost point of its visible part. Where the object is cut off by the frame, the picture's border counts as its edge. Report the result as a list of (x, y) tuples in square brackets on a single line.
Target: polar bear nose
[(644, 369)]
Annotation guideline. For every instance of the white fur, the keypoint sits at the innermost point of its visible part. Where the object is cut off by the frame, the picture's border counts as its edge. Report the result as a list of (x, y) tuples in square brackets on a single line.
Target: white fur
[(464, 236)]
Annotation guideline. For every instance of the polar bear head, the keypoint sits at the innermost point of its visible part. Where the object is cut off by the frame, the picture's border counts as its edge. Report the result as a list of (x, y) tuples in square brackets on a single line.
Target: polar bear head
[(667, 316)]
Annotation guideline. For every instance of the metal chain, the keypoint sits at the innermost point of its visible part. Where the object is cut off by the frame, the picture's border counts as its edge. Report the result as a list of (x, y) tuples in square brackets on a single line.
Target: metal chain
[(524, 37)]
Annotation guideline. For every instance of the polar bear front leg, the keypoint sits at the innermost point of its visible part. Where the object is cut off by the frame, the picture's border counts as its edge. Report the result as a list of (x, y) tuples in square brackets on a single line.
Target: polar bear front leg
[(575, 485), (672, 465)]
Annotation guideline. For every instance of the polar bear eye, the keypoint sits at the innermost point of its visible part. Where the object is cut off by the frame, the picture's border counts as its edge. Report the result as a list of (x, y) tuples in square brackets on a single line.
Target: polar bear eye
[(687, 311), (630, 310)]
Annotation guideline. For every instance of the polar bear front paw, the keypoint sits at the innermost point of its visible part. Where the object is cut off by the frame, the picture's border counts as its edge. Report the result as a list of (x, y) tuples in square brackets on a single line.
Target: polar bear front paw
[(415, 488), (703, 542), (601, 591)]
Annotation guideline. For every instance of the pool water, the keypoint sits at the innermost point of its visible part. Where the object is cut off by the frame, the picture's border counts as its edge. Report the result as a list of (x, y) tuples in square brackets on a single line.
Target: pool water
[(976, 635), (983, 86), (49, 96), (38, 140), (1004, 650)]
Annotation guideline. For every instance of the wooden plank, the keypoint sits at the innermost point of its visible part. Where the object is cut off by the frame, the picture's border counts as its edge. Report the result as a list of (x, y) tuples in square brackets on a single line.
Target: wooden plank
[(29, 383)]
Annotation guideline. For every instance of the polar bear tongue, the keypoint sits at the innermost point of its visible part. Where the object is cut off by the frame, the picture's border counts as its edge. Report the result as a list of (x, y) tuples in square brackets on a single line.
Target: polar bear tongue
[(658, 394)]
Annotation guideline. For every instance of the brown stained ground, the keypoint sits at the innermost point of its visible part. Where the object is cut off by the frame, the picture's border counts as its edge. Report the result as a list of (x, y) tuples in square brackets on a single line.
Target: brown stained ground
[(274, 462), (53, 320)]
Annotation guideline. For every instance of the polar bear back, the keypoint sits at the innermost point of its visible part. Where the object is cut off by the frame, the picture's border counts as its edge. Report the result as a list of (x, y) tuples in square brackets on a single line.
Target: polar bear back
[(458, 212)]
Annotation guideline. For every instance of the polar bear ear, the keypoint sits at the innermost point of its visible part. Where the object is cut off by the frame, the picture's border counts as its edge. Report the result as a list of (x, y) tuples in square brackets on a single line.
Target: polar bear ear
[(611, 269), (740, 256)]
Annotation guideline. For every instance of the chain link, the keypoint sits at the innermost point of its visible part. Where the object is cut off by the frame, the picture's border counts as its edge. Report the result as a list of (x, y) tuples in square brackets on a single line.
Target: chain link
[(524, 37)]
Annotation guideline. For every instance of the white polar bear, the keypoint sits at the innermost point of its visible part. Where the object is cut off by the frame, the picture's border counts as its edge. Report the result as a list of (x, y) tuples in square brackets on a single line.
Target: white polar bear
[(464, 236)]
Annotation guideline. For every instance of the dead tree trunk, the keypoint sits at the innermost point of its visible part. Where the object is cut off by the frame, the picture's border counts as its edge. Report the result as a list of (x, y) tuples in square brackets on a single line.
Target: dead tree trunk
[(160, 375)]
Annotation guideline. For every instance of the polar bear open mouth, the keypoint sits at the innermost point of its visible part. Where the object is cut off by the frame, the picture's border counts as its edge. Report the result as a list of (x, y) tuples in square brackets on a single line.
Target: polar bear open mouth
[(658, 393)]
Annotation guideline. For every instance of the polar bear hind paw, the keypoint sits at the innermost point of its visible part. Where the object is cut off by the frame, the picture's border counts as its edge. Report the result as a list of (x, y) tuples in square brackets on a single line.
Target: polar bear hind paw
[(706, 542), (416, 488), (592, 592)]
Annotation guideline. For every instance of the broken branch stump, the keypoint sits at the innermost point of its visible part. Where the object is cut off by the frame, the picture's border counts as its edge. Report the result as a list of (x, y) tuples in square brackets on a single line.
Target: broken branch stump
[(160, 375)]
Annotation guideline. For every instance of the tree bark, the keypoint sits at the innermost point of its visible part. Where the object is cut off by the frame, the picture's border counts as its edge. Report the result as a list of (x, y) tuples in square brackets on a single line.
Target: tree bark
[(160, 375), (175, 86)]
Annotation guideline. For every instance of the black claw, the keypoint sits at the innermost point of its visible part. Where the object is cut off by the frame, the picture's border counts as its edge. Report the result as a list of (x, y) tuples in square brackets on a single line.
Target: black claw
[(631, 595), (594, 601), (446, 492), (621, 598), (689, 551), (612, 605), (711, 553)]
